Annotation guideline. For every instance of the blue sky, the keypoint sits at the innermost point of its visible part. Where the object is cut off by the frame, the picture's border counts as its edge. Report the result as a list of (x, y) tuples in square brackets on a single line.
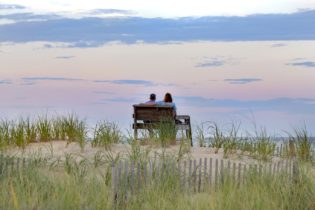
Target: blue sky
[(95, 31), (220, 63)]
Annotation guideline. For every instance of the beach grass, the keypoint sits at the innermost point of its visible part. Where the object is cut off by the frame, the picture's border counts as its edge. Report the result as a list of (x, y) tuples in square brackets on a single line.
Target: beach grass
[(74, 181), (77, 184)]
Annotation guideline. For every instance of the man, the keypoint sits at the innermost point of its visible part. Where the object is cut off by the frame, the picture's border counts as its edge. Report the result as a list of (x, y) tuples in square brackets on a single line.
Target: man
[(152, 99)]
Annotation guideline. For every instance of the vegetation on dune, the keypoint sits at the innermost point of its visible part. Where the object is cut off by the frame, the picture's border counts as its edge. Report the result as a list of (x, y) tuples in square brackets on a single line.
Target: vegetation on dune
[(76, 182)]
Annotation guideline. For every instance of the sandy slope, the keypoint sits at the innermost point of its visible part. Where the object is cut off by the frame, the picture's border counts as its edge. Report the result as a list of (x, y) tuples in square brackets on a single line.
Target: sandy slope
[(58, 149)]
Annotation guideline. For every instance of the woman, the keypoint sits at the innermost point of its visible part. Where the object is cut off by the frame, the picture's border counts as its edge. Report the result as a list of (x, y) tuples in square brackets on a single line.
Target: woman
[(168, 100)]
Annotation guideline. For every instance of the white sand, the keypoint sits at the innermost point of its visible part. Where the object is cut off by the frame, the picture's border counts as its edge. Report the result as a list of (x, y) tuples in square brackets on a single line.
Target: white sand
[(59, 149)]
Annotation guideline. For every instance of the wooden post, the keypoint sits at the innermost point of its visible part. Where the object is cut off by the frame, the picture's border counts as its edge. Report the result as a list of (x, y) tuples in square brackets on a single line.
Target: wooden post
[(189, 177), (180, 175), (1, 164), (195, 174), (205, 172), (184, 175), (234, 171), (12, 165), (18, 165), (126, 175), (296, 172), (210, 172), (135, 124), (114, 182), (139, 176), (199, 175), (132, 180), (244, 173), (222, 171), (239, 172), (216, 173), (145, 173), (229, 169)]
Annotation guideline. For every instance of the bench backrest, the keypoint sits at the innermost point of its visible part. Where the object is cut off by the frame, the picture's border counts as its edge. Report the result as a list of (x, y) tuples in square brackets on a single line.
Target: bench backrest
[(153, 112)]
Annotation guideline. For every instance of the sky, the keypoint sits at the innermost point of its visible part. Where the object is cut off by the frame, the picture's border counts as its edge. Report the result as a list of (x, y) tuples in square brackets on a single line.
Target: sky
[(169, 8), (225, 61)]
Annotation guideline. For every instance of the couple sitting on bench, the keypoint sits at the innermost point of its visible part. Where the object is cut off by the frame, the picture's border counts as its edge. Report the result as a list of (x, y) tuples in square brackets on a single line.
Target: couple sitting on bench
[(168, 100), (150, 114)]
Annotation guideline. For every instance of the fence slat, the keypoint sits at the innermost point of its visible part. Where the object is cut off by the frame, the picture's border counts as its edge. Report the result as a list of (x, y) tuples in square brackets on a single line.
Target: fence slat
[(239, 172), (138, 176), (145, 173), (199, 175), (222, 171), (216, 173), (234, 171), (210, 172), (184, 175), (132, 179), (205, 163), (195, 175), (189, 175)]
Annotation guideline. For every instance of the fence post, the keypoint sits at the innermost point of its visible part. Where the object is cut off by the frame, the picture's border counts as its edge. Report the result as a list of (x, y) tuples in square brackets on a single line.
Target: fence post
[(195, 174), (184, 175), (205, 173), (234, 171), (222, 171), (114, 182), (216, 173), (210, 172), (132, 179), (18, 165), (145, 173), (239, 172), (189, 175), (296, 172), (139, 176), (199, 175), (1, 163)]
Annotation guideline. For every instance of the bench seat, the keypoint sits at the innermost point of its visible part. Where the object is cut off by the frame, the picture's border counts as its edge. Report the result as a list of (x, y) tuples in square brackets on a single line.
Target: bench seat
[(151, 116)]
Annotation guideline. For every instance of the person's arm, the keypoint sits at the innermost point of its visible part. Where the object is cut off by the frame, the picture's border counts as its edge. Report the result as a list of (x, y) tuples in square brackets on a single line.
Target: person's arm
[(175, 108)]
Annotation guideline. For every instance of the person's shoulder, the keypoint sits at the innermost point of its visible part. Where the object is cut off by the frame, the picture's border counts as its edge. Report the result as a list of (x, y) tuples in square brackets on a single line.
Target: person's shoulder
[(150, 103)]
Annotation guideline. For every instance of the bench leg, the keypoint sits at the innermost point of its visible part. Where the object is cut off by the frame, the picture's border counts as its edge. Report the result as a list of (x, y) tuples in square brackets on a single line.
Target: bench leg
[(189, 136), (188, 131), (135, 133)]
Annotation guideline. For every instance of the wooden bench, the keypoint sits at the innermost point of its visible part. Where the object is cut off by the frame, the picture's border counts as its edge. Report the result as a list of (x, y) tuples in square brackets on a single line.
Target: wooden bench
[(151, 116)]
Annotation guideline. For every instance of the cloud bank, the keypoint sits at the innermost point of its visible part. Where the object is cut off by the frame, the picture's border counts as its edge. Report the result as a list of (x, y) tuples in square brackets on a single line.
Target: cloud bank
[(93, 31), (309, 64), (242, 81), (286, 105)]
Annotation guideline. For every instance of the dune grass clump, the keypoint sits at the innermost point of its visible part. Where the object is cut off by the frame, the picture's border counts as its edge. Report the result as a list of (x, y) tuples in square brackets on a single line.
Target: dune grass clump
[(42, 129), (166, 133), (264, 146), (303, 144), (5, 133), (30, 130), (75, 130), (218, 138), (106, 134)]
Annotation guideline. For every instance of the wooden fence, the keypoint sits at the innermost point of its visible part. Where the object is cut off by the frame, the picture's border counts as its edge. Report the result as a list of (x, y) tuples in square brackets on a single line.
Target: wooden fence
[(192, 175)]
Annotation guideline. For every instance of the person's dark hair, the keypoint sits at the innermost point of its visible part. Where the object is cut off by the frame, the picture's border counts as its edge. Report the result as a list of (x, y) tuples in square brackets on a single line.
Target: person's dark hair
[(168, 98), (152, 97)]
